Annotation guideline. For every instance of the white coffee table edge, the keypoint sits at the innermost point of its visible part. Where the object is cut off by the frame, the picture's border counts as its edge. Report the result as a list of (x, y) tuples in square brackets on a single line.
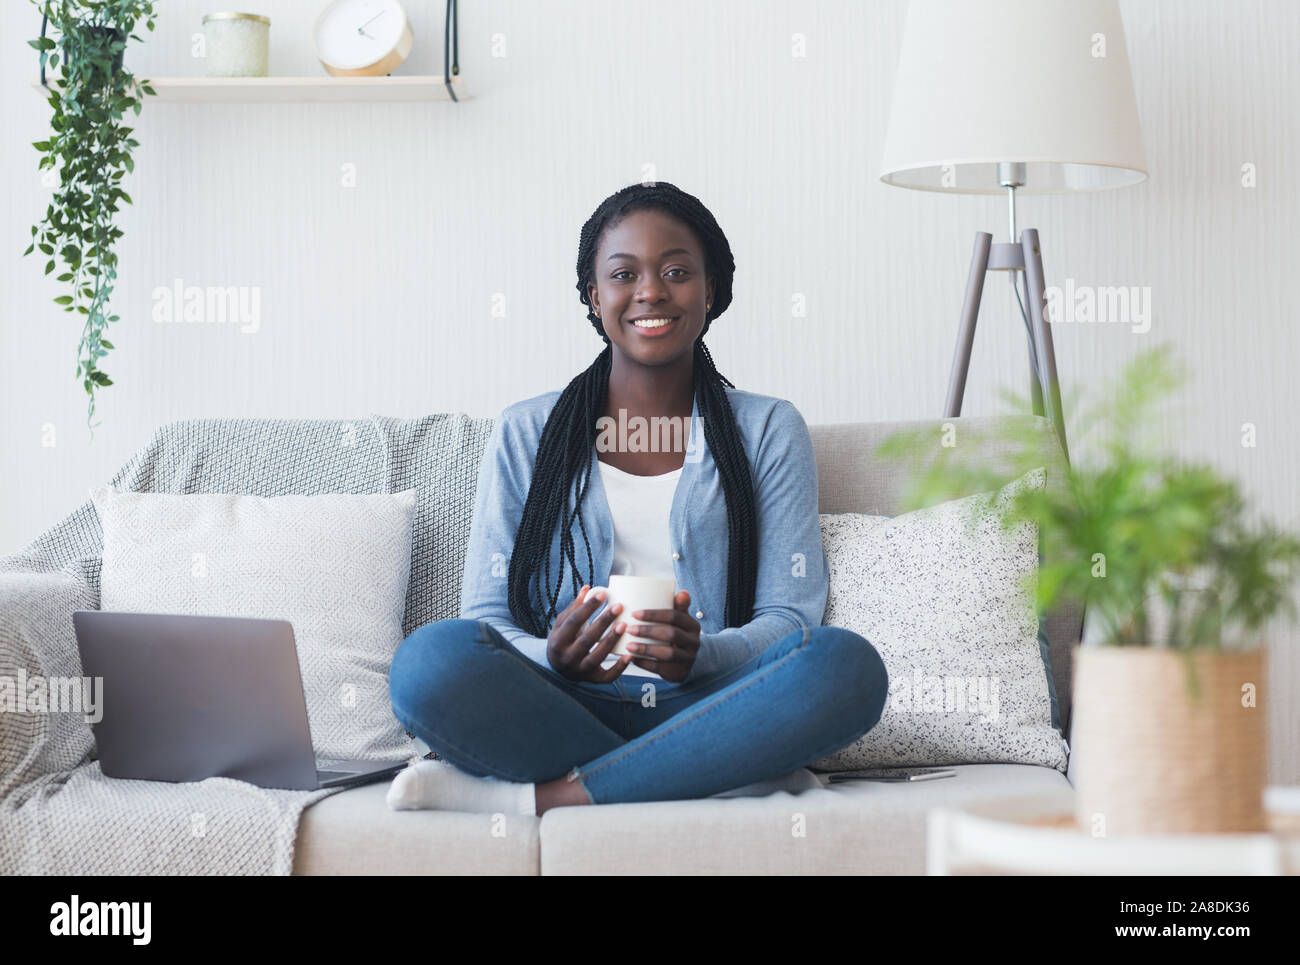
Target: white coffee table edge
[(985, 838)]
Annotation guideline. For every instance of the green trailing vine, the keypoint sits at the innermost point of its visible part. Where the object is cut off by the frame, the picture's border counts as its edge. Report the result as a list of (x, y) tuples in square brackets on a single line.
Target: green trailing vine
[(90, 147)]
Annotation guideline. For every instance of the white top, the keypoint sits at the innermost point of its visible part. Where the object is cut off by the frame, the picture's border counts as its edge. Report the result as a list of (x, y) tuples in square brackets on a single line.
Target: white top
[(640, 507)]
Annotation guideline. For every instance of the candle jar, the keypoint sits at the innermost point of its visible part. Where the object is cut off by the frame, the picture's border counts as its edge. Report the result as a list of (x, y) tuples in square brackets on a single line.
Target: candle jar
[(235, 44)]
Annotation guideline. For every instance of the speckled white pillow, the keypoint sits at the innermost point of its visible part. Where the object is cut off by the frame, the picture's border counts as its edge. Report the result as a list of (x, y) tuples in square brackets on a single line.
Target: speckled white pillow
[(945, 607)]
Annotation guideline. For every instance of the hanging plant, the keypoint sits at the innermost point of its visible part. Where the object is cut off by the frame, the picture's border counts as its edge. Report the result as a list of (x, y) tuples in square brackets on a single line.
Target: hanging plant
[(91, 148)]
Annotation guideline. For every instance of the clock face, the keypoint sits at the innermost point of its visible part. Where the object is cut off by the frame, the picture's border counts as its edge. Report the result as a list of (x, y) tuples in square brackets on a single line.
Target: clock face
[(355, 33)]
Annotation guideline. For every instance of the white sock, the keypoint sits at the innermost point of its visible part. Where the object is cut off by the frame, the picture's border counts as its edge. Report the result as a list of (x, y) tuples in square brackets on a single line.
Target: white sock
[(441, 786)]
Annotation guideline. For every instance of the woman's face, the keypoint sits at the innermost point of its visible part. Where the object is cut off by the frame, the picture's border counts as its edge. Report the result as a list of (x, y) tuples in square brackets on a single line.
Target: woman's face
[(650, 264)]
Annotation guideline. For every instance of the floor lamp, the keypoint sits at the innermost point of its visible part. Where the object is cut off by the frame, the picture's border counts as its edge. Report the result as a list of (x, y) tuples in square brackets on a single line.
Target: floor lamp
[(1014, 97)]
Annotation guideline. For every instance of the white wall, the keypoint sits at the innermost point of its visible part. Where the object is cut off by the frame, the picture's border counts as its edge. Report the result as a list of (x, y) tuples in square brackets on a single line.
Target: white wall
[(378, 298)]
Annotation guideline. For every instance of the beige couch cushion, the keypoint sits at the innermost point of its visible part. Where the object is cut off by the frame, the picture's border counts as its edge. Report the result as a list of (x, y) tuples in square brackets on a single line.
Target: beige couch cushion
[(354, 833), (855, 828)]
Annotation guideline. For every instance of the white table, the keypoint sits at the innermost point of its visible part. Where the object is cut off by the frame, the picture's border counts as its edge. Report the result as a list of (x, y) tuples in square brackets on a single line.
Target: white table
[(1034, 836)]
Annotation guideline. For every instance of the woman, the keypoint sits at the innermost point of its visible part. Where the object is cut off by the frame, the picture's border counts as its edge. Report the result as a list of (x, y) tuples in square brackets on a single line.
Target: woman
[(520, 696)]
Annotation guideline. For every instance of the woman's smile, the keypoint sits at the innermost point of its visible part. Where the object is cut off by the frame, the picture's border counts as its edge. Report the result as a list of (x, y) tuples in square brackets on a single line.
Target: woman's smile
[(654, 326)]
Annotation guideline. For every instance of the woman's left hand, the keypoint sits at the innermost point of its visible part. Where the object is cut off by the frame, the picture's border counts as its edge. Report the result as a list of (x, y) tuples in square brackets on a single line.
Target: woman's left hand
[(678, 636)]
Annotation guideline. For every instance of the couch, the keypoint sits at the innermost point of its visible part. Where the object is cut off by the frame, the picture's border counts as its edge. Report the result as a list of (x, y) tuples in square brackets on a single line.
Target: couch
[(812, 828)]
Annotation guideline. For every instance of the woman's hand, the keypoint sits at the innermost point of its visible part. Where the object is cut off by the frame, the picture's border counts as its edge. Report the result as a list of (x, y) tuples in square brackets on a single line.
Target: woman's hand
[(575, 648), (679, 633)]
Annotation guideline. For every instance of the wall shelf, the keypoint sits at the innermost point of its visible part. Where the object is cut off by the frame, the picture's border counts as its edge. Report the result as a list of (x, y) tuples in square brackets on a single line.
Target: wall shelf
[(282, 90), (323, 88)]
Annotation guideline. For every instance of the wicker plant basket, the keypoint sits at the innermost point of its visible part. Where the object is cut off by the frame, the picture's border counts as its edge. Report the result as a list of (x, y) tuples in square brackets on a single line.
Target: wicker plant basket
[(1152, 758)]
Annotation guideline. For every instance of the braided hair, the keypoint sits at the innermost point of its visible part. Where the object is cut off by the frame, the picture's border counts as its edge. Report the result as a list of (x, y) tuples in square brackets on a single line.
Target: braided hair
[(568, 438)]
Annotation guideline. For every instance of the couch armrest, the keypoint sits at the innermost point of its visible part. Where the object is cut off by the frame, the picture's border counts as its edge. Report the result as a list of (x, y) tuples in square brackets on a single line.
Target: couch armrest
[(37, 642)]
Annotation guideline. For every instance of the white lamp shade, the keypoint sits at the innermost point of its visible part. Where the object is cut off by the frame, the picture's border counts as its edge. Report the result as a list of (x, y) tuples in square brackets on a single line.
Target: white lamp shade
[(986, 81)]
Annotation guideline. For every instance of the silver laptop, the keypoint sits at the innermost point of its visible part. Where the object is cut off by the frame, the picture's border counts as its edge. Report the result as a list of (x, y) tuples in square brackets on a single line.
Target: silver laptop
[(186, 698)]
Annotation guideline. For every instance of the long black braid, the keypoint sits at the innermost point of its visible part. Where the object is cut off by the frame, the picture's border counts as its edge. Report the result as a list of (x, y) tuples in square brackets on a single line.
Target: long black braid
[(564, 451)]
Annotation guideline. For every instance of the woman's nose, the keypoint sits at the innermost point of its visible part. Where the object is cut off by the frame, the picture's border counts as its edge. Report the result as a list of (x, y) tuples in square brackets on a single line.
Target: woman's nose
[(650, 292)]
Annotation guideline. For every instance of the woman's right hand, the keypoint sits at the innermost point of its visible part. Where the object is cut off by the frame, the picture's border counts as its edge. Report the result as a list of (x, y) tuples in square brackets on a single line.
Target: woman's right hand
[(575, 648)]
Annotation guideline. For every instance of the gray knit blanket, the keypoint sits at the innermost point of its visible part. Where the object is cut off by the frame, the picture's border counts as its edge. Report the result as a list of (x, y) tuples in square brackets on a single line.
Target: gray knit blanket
[(58, 813)]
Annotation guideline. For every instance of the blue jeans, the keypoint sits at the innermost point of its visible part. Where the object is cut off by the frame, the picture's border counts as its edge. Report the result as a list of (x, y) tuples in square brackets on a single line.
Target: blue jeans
[(460, 687)]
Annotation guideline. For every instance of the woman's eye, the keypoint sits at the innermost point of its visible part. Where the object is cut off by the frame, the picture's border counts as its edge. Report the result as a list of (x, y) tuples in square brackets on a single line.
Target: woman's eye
[(617, 275)]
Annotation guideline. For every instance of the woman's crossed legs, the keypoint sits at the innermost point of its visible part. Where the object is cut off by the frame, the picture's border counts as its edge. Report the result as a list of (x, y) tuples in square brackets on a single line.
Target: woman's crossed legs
[(489, 710)]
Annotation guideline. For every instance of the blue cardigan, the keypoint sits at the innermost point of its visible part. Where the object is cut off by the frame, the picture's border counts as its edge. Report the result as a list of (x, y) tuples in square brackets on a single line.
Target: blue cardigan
[(792, 583)]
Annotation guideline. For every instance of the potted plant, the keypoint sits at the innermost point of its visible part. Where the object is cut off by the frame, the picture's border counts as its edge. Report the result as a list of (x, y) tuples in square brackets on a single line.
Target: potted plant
[(90, 147), (1169, 728)]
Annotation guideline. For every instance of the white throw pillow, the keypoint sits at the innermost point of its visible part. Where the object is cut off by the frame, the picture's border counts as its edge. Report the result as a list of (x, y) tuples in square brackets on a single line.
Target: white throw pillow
[(944, 606), (334, 565)]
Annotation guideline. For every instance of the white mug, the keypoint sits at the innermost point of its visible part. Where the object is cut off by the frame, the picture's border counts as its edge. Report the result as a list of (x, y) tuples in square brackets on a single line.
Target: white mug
[(635, 593)]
